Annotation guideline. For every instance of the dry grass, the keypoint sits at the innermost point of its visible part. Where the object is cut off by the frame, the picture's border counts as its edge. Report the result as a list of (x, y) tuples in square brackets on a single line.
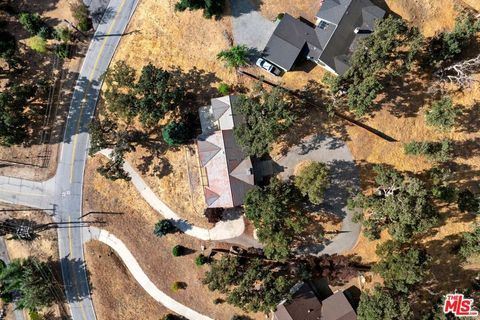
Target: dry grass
[(431, 16), (180, 186), (305, 8), (110, 293), (167, 38), (135, 228)]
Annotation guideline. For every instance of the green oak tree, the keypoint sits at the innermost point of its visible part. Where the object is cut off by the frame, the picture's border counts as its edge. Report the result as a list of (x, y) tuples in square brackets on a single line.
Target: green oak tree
[(403, 206), (274, 211), (267, 115)]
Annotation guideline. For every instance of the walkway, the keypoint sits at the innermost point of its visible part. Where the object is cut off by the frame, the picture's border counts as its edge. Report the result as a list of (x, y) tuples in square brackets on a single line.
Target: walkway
[(223, 230), (344, 177), (131, 263)]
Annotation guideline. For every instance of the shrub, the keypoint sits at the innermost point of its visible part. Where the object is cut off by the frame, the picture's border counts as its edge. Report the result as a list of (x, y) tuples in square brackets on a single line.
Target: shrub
[(280, 16), (176, 133), (443, 114), (434, 151), (30, 22), (234, 57), (177, 285), (38, 44), (470, 243), (80, 13), (200, 260), (467, 202), (178, 250), (217, 301), (164, 227), (63, 34), (224, 88), (62, 50), (210, 7), (312, 181), (450, 44), (213, 215), (45, 32)]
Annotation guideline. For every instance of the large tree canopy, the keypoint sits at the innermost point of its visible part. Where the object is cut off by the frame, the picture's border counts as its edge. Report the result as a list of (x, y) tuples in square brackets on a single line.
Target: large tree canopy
[(154, 94), (13, 116), (404, 206), (30, 280), (250, 284), (275, 213), (389, 51), (401, 268), (384, 304), (158, 92), (266, 115)]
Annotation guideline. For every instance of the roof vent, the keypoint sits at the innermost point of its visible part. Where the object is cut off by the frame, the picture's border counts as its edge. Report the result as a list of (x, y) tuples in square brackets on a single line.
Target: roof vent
[(359, 30)]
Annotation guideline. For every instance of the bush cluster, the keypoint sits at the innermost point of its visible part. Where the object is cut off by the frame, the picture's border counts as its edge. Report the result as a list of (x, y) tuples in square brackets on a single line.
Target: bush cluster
[(210, 7), (434, 151), (443, 114)]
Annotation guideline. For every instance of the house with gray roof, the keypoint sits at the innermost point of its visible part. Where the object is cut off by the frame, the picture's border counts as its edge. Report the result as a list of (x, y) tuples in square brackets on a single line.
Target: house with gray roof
[(339, 27), (227, 173)]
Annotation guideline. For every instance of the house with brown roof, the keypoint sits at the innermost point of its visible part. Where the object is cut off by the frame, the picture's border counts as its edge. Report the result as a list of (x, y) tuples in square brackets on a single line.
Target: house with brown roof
[(227, 173), (308, 303)]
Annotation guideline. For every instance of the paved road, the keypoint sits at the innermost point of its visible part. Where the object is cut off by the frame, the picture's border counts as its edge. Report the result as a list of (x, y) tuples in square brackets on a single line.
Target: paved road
[(344, 176), (63, 193), (137, 272)]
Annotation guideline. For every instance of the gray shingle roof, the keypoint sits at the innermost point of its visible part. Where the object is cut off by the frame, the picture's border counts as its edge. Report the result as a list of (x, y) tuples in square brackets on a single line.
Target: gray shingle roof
[(332, 43)]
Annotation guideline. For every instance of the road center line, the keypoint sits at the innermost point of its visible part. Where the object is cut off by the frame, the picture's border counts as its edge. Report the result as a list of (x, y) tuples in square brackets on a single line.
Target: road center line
[(87, 88)]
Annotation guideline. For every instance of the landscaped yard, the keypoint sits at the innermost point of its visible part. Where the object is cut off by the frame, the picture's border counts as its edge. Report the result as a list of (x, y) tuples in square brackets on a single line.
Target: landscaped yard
[(134, 226)]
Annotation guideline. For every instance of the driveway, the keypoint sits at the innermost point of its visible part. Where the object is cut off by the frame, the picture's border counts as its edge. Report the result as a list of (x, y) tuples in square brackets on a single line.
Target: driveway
[(344, 177), (249, 26)]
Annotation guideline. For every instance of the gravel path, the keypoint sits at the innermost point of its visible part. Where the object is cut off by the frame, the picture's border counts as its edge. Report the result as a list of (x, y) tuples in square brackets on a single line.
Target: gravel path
[(344, 177)]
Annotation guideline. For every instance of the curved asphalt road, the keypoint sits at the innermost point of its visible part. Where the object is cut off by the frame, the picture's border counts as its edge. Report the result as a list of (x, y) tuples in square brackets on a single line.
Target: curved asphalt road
[(63, 193)]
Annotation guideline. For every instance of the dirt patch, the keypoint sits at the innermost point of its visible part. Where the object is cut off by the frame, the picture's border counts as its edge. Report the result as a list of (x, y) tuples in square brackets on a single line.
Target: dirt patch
[(134, 226), (113, 286)]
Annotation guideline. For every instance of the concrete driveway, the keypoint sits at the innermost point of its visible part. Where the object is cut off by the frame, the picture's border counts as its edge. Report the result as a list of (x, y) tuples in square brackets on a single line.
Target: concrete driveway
[(344, 177), (249, 26)]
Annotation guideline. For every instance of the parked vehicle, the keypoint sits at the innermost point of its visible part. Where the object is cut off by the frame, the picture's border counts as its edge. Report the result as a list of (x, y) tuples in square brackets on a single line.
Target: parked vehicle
[(270, 68)]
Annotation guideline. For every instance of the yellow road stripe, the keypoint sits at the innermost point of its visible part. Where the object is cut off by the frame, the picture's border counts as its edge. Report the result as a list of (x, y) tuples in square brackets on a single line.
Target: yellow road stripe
[(114, 23), (84, 314)]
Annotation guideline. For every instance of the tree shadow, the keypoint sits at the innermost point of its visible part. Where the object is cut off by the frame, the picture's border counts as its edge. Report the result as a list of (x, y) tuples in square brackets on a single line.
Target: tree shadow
[(102, 15), (241, 7), (446, 272), (406, 95), (468, 120), (74, 273)]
